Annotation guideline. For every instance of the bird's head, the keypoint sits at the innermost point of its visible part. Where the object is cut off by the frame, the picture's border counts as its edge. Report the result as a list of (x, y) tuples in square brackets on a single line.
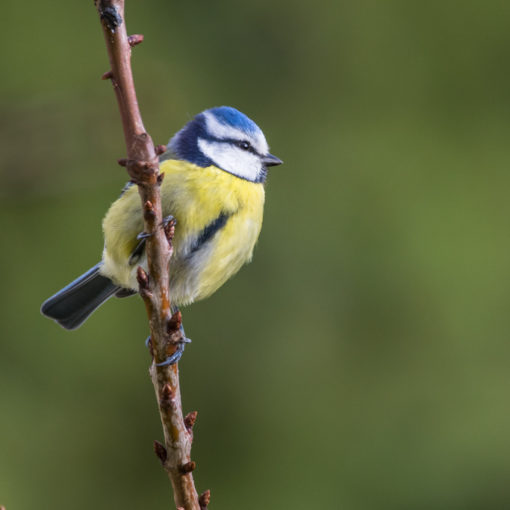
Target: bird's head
[(226, 138)]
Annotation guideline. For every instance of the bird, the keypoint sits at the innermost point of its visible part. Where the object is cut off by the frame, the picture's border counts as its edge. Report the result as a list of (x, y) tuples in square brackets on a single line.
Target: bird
[(215, 170)]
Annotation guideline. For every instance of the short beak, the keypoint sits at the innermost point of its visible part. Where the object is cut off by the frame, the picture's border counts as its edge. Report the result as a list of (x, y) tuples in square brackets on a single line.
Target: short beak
[(270, 160)]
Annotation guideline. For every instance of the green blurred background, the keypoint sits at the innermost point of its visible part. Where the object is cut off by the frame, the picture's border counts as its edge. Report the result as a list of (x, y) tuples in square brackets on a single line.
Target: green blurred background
[(361, 361)]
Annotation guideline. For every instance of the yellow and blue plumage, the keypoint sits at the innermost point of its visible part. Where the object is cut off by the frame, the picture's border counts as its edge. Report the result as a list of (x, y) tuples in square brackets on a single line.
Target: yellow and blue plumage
[(215, 170), (197, 198)]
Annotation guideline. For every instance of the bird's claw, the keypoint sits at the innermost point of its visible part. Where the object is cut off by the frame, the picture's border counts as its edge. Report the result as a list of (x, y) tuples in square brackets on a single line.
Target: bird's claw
[(176, 356), (143, 235), (168, 221)]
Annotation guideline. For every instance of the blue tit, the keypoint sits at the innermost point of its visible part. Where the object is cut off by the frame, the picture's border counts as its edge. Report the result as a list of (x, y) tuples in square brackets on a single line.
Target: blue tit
[(215, 169)]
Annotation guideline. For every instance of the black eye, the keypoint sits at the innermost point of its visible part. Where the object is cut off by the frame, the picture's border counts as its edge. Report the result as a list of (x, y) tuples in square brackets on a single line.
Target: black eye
[(244, 145)]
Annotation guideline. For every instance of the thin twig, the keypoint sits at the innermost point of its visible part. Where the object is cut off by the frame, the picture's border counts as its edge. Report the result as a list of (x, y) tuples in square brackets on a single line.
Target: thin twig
[(143, 168)]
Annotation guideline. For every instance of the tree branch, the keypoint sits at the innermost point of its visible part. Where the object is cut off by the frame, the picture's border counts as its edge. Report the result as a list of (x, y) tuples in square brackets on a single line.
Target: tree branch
[(143, 168)]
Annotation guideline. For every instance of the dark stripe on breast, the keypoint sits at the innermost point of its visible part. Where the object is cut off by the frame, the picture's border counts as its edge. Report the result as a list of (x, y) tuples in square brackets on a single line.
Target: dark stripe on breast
[(209, 231)]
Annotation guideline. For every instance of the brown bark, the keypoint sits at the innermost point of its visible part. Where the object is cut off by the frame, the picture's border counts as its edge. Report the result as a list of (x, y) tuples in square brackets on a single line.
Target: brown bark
[(143, 168)]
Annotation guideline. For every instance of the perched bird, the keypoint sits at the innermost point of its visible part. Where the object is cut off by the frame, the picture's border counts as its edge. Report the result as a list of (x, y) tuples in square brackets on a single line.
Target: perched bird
[(215, 168)]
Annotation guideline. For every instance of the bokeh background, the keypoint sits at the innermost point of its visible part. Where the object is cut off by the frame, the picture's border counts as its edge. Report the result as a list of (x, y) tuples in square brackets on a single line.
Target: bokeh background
[(362, 360)]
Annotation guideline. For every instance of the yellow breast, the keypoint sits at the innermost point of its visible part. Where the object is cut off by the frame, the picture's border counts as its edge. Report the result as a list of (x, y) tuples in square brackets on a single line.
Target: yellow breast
[(218, 215)]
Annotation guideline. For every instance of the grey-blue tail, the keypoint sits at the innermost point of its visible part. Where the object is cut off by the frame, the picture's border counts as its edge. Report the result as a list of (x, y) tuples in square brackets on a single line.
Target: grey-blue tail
[(71, 306)]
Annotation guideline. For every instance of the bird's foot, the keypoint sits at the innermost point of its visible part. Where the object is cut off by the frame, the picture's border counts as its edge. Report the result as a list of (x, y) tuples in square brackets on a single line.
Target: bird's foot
[(167, 224), (176, 356)]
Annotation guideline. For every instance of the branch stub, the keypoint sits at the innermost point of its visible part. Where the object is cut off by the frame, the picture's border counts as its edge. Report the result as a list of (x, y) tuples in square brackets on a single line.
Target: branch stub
[(160, 452), (188, 467)]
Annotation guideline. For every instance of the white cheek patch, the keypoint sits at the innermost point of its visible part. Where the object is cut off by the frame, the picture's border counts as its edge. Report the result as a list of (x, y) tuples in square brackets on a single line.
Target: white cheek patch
[(232, 159)]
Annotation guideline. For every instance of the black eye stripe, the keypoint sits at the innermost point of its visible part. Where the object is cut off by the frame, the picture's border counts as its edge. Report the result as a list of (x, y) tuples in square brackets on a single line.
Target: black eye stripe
[(235, 142), (246, 146)]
